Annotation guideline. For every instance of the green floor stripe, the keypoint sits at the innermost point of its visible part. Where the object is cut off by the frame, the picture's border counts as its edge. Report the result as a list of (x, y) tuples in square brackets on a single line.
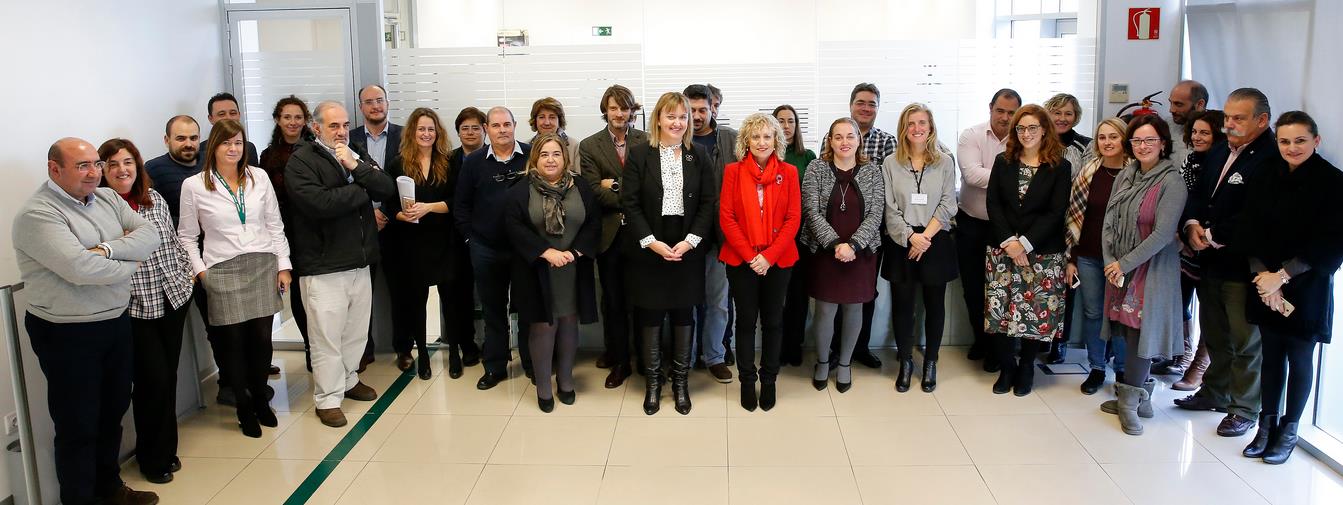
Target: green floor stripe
[(342, 449)]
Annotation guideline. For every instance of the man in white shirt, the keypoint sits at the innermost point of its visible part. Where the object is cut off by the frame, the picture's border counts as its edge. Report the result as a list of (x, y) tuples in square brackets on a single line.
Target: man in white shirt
[(976, 149)]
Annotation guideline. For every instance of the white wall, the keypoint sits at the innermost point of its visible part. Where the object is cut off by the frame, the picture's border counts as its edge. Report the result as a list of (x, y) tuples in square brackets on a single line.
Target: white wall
[(94, 69), (1147, 66)]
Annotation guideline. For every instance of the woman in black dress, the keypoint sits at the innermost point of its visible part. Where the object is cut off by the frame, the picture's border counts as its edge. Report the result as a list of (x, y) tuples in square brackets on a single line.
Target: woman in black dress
[(421, 240), (1293, 235), (554, 226), (670, 202)]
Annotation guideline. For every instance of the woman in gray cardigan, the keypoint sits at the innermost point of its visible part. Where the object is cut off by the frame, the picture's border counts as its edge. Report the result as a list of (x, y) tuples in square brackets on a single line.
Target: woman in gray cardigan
[(1142, 266), (843, 199)]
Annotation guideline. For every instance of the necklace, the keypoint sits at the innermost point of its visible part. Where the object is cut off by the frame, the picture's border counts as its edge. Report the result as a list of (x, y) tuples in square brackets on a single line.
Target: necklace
[(843, 194)]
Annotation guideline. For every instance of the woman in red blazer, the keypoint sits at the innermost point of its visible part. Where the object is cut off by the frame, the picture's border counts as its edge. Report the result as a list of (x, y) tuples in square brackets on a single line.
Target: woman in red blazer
[(760, 211)]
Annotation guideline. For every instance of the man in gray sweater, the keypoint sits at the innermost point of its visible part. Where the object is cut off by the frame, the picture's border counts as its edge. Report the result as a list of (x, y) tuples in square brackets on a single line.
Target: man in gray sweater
[(77, 246)]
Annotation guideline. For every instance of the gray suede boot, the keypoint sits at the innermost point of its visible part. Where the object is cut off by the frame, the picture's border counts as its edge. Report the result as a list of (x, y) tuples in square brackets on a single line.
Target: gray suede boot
[(1144, 408), (1129, 399)]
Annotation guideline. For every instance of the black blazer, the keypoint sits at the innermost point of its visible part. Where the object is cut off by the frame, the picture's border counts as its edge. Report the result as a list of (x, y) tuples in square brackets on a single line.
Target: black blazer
[(641, 198), (532, 293), (1038, 216), (1221, 211), (359, 139), (598, 159), (1295, 217)]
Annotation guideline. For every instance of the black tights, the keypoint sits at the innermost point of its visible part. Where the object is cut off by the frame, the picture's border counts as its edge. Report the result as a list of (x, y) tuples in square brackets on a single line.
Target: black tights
[(247, 351), (1029, 348), (554, 343), (1288, 364), (934, 302)]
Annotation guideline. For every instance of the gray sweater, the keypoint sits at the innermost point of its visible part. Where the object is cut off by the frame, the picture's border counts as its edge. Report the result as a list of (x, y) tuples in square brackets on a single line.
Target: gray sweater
[(66, 283)]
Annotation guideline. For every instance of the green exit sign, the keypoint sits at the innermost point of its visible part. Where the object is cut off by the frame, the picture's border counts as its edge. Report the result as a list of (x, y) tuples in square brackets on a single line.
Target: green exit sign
[(601, 31)]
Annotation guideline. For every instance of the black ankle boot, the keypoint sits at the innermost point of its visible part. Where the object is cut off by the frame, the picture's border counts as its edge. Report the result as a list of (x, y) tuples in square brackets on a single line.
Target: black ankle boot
[(1025, 380), (929, 380), (422, 367), (1095, 379), (1281, 444), (681, 340), (906, 373), (767, 396), (748, 398), (1268, 424), (454, 362), (1007, 373), (652, 358)]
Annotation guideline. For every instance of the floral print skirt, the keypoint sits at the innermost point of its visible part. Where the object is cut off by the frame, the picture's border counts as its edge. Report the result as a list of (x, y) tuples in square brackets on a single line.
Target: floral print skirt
[(1024, 302)]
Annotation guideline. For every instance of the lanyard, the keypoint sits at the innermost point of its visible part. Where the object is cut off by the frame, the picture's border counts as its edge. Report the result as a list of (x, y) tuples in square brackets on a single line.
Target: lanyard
[(918, 178), (239, 198)]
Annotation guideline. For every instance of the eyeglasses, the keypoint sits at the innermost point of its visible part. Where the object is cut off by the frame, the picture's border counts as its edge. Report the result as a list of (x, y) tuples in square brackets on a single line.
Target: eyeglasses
[(374, 101), (1149, 141), (508, 176), (1032, 129), (85, 166)]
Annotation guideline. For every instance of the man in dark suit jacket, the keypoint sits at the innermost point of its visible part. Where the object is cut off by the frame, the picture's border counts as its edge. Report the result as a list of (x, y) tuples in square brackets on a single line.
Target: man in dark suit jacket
[(1231, 383), (602, 158), (379, 138)]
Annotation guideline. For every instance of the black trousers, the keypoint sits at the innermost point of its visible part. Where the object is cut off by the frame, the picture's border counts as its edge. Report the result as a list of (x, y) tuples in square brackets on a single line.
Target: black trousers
[(457, 310), (408, 311), (972, 240), (758, 297), (795, 308), (616, 332), (1288, 367), (493, 272), (246, 358), (157, 348), (902, 313), (88, 370)]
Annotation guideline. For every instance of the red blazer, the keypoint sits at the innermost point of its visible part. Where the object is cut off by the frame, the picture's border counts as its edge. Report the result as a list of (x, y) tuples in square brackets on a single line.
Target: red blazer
[(782, 251)]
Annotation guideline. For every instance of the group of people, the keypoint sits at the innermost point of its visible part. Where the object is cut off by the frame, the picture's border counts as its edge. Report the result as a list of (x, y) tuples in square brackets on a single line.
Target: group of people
[(686, 228)]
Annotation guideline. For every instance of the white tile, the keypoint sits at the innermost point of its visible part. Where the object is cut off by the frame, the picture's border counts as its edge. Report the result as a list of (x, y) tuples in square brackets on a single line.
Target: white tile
[(904, 441), (1184, 483), (932, 485), (1051, 485), (785, 441), (387, 483), (1027, 439), (531, 484), (647, 485), (833, 485), (555, 441)]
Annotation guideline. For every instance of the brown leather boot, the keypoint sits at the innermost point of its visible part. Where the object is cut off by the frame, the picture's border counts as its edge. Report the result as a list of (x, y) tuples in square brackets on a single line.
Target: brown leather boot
[(1193, 376)]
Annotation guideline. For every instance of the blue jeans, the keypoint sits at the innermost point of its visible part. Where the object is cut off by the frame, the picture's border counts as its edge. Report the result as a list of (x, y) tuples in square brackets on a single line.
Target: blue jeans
[(716, 302), (1090, 297)]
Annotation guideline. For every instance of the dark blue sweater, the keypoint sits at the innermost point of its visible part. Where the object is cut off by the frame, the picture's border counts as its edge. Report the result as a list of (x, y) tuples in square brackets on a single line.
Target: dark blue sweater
[(167, 175), (478, 205)]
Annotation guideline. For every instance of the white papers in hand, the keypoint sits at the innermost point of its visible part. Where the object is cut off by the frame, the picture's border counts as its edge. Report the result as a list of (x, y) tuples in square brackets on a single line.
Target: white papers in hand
[(405, 186)]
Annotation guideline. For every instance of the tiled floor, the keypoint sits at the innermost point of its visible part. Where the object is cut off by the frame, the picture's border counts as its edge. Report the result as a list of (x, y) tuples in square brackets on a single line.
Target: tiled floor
[(442, 441)]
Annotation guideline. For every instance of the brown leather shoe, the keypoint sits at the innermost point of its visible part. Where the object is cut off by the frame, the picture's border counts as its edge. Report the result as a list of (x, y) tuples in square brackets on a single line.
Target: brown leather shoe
[(1234, 426), (127, 496), (274, 370), (404, 361), (361, 393), (617, 376), (332, 417), (721, 373)]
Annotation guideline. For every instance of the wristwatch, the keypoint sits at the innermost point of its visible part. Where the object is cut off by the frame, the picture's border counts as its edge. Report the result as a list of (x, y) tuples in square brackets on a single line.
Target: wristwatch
[(615, 186)]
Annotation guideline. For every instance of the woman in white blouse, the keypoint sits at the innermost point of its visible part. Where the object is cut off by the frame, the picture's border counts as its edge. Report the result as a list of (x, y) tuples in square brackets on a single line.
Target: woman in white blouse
[(243, 263)]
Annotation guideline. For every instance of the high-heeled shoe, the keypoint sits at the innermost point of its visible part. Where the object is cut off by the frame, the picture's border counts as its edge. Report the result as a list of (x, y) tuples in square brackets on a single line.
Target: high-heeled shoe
[(266, 417), (840, 384), (546, 405), (767, 396), (247, 421), (567, 397), (748, 398), (929, 380), (680, 372), (823, 371), (454, 362), (1268, 424), (906, 374), (422, 370), (1280, 447), (652, 358)]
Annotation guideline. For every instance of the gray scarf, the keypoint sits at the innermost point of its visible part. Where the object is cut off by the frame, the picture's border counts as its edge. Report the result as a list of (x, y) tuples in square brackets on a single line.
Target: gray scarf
[(1131, 187), (552, 205)]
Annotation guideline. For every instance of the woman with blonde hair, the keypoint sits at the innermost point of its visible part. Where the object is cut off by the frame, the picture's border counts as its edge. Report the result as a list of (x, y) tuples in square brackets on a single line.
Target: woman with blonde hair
[(554, 225), (670, 200), (759, 212), (920, 202)]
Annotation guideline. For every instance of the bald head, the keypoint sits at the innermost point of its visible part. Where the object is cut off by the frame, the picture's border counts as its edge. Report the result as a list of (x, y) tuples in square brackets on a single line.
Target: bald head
[(73, 164)]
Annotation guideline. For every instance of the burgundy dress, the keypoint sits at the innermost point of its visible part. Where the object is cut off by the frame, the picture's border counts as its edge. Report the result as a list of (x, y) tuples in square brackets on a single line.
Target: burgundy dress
[(830, 280)]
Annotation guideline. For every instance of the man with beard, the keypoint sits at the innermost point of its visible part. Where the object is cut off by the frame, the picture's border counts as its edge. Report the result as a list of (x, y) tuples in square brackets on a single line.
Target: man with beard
[(182, 136), (225, 106), (1186, 98), (715, 315)]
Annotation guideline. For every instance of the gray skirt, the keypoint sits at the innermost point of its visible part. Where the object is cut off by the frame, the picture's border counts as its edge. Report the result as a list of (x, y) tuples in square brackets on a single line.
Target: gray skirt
[(242, 288)]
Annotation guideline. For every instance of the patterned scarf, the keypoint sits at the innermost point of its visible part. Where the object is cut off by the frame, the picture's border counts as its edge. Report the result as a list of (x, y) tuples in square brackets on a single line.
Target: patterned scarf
[(552, 204), (1077, 199)]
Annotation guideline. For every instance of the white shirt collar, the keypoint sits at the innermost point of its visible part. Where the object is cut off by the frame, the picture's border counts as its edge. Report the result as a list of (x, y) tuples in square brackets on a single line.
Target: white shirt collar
[(517, 149)]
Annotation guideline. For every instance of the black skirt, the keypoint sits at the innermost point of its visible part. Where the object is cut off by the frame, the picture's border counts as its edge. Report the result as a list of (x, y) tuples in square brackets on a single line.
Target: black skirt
[(655, 283), (937, 266)]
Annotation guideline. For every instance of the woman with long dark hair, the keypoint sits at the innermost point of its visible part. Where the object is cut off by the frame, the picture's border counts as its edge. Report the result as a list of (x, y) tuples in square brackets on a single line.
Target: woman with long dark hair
[(796, 305), (160, 296), (291, 127), (243, 263)]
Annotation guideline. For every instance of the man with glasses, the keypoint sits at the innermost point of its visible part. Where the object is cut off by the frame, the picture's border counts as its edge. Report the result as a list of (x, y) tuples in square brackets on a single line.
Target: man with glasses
[(714, 319), (225, 106), (77, 246), (335, 240), (470, 126), (377, 141), (976, 149), (1231, 383), (478, 207)]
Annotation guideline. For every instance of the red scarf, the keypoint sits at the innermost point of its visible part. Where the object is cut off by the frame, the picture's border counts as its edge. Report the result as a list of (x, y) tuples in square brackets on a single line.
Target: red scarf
[(758, 231)]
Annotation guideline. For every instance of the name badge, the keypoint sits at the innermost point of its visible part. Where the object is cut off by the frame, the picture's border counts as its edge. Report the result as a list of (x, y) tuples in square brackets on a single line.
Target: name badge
[(247, 235), (918, 198)]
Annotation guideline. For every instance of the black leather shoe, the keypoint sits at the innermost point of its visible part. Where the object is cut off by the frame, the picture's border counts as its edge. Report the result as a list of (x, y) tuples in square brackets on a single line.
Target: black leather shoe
[(404, 361), (489, 380), (159, 478), (929, 380), (454, 363), (1196, 402), (867, 358), (264, 416), (567, 397), (843, 386), (617, 376), (1094, 381), (1234, 426), (906, 374), (422, 368), (175, 466), (768, 396), (546, 405), (1280, 449), (470, 354), (1268, 424)]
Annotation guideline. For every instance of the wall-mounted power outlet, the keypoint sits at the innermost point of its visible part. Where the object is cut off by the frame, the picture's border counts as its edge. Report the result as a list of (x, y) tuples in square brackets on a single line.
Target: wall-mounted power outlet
[(11, 423)]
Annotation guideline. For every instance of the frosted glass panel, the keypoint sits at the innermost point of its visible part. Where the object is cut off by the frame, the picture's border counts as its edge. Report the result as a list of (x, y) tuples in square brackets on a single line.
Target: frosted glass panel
[(276, 56)]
